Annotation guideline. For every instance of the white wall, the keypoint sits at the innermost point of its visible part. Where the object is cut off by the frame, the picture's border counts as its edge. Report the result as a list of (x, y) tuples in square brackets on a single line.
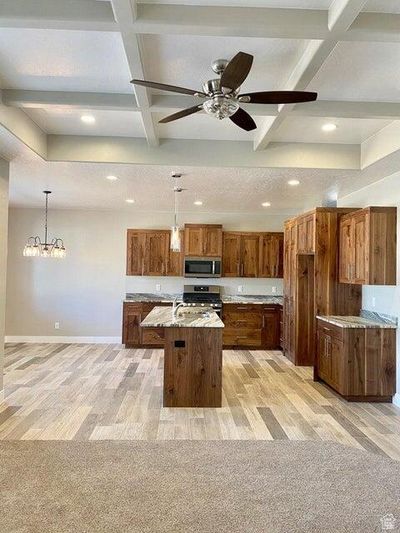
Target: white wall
[(383, 299), (84, 292), (4, 171)]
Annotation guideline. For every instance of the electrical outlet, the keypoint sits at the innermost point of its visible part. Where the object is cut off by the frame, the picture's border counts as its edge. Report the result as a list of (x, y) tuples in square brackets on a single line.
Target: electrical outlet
[(373, 301), (273, 290), (158, 287), (240, 288), (56, 325)]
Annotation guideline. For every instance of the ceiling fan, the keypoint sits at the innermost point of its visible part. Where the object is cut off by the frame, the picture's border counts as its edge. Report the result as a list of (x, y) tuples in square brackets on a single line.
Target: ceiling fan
[(221, 96)]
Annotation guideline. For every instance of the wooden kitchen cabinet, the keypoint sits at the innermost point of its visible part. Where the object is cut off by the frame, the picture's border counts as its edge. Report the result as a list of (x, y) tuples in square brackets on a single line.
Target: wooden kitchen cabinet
[(306, 234), (251, 325), (149, 254), (203, 240), (367, 254), (241, 254), (271, 255), (155, 253), (135, 336), (134, 253), (358, 363)]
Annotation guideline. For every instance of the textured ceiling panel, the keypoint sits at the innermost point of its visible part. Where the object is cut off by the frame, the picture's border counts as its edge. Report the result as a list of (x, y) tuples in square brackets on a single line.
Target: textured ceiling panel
[(55, 60)]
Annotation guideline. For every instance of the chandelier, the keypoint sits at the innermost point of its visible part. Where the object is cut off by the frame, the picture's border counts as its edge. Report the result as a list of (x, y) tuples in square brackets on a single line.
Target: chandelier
[(34, 247)]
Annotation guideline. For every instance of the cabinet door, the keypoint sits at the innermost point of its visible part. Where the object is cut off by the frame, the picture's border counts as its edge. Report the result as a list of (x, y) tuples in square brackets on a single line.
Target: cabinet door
[(302, 235), (212, 241), (310, 234), (231, 255), (134, 253), (361, 246), (131, 324), (175, 259), (271, 255), (193, 240), (250, 252), (270, 327), (337, 357), (324, 359), (156, 253), (346, 240)]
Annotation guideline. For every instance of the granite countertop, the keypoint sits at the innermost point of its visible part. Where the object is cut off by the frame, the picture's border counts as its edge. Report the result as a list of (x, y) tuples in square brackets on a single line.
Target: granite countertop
[(252, 299), (360, 321), (161, 317), (226, 298), (140, 297)]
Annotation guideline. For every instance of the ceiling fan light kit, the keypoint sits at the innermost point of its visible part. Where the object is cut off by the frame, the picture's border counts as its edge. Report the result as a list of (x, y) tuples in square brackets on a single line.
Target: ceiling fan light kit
[(34, 247), (222, 98)]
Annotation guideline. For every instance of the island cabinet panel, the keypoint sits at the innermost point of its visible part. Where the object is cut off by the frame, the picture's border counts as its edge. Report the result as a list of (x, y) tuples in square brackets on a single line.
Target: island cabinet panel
[(271, 255), (193, 367), (359, 363), (367, 253), (203, 240)]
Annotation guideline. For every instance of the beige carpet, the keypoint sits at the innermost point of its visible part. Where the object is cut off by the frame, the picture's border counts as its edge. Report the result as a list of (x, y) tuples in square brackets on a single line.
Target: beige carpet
[(236, 486)]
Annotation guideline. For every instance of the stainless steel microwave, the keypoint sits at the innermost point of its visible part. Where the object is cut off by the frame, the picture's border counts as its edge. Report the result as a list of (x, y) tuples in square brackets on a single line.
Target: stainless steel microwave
[(202, 267)]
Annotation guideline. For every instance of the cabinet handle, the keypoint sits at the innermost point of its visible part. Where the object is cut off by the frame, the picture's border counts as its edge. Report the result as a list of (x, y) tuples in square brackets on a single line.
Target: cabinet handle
[(242, 308), (326, 329), (263, 322)]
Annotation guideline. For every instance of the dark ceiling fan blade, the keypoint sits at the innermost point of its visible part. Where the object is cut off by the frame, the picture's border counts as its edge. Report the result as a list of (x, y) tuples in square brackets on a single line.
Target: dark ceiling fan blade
[(242, 119), (236, 71), (164, 87), (181, 114), (280, 97)]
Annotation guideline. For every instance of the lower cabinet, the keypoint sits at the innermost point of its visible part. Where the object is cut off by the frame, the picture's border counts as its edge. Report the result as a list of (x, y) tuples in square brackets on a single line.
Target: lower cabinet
[(358, 363), (251, 326), (135, 336)]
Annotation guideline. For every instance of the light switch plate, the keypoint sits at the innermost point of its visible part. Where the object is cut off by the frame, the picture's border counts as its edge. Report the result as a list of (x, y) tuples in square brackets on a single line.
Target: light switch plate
[(240, 288), (273, 290), (373, 301), (56, 325), (158, 287)]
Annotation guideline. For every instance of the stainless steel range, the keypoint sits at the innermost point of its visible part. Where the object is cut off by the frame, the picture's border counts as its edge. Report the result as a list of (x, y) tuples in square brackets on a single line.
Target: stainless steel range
[(203, 296)]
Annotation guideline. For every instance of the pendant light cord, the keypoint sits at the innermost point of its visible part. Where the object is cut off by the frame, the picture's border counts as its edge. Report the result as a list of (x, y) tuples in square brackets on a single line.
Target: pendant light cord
[(175, 205), (45, 218)]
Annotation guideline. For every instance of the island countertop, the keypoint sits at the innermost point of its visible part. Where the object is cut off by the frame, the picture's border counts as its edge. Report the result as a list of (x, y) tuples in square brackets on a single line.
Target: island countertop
[(161, 317)]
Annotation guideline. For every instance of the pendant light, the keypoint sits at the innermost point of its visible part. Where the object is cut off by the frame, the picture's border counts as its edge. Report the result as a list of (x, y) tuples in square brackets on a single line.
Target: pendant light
[(175, 229), (34, 247)]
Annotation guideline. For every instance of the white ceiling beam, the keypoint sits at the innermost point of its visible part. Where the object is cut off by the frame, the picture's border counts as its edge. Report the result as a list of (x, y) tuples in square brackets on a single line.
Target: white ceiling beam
[(163, 103), (341, 15), (201, 153), (125, 12), (57, 14)]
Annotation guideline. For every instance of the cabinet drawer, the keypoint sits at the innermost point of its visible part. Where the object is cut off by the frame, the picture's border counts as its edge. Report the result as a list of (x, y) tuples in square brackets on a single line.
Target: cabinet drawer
[(242, 337), (331, 330), (243, 320), (153, 336)]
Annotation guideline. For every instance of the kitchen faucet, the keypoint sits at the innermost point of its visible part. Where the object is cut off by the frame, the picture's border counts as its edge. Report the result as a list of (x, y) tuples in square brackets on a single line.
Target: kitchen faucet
[(175, 307)]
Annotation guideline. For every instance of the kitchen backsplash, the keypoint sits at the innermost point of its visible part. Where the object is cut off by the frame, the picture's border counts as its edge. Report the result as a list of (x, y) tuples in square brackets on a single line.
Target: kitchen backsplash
[(172, 285)]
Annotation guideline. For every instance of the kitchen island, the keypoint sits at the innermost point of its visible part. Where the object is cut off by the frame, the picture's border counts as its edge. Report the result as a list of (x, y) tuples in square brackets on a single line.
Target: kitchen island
[(192, 356)]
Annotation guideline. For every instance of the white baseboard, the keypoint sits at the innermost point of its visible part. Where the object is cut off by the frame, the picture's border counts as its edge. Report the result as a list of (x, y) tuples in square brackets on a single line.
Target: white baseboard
[(396, 399), (63, 339)]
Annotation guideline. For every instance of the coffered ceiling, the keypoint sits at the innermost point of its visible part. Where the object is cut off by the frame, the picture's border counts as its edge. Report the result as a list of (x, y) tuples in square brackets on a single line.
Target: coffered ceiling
[(61, 60)]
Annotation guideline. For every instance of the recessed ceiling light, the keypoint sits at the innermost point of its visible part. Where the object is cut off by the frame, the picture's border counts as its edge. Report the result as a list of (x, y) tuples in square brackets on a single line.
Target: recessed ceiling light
[(266, 204), (198, 202), (130, 201), (293, 182), (88, 119), (112, 178), (329, 127)]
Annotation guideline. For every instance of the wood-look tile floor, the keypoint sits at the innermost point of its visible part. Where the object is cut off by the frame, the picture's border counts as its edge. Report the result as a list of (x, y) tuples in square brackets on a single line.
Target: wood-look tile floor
[(92, 392)]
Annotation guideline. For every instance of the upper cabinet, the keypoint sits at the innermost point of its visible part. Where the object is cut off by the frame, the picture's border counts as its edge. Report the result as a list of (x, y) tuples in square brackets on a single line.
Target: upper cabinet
[(271, 255), (203, 240), (252, 255), (149, 254), (306, 234), (367, 253)]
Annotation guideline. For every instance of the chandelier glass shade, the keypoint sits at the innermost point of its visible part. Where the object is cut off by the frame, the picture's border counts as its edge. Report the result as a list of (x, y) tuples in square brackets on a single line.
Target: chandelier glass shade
[(175, 229), (34, 247), (221, 107)]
